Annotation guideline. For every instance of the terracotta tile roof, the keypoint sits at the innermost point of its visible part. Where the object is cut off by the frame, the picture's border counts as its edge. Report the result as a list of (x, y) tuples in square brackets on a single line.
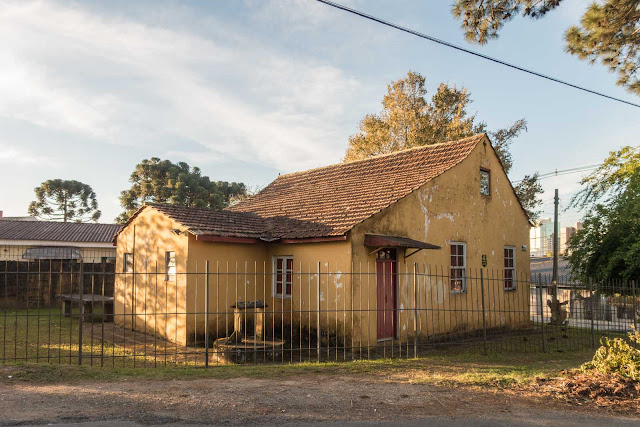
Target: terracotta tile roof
[(57, 231), (331, 200), (326, 201), (215, 223)]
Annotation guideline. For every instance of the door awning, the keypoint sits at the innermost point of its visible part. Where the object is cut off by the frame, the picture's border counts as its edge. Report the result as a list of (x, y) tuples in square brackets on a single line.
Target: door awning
[(380, 241)]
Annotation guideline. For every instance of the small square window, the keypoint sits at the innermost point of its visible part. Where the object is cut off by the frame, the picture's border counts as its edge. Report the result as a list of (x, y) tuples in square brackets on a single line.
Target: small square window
[(127, 263), (170, 266), (485, 182)]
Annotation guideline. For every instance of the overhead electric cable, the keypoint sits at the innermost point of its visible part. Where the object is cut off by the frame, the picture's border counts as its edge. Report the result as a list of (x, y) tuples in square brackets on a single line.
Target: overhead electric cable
[(471, 52), (564, 172)]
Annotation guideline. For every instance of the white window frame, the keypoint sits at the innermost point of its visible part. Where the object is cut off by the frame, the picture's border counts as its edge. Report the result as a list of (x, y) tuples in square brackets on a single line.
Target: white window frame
[(274, 284), (513, 270), (170, 276), (488, 172), (125, 257), (463, 268)]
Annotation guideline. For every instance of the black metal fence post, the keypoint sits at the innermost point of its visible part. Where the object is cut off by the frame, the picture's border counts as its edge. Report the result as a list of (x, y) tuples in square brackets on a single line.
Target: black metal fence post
[(634, 285), (593, 313), (206, 315), (484, 318), (81, 316), (544, 339), (415, 310), (319, 338)]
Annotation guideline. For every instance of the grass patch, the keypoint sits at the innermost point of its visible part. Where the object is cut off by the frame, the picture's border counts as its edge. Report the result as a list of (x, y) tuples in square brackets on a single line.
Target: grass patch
[(46, 336), (440, 369)]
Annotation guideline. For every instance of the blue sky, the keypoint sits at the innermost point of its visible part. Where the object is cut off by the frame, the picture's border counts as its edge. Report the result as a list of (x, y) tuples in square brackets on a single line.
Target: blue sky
[(249, 89)]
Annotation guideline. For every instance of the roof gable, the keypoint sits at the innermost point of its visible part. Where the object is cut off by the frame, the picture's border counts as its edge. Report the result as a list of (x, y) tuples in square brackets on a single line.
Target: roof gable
[(333, 199)]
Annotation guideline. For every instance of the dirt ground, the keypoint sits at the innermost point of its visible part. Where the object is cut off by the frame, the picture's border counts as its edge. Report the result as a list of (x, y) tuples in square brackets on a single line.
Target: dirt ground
[(298, 398)]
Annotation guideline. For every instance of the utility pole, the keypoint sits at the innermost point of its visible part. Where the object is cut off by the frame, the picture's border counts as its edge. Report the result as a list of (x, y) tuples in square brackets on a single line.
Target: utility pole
[(555, 247), (557, 316)]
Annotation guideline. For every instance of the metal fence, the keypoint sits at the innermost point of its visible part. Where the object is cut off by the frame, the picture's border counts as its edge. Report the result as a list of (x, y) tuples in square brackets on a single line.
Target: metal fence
[(73, 312)]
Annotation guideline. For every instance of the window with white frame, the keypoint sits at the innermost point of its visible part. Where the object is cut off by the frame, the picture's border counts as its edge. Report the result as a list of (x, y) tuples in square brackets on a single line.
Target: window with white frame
[(509, 268), (283, 276), (458, 267), (127, 263), (485, 182), (170, 266)]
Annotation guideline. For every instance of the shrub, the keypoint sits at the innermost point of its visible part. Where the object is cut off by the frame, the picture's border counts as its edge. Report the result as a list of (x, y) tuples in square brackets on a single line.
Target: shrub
[(617, 356)]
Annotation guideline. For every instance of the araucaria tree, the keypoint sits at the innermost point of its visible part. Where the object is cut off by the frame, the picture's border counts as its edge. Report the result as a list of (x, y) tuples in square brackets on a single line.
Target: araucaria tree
[(162, 181), (409, 120), (608, 246), (62, 200), (609, 30)]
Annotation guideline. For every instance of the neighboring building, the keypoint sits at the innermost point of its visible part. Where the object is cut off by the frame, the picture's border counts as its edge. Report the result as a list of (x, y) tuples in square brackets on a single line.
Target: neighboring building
[(445, 208), (16, 218), (542, 270), (40, 240), (541, 238), (566, 233)]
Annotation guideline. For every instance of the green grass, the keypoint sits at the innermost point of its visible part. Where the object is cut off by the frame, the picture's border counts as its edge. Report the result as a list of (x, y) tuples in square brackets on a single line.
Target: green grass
[(458, 368), (45, 336)]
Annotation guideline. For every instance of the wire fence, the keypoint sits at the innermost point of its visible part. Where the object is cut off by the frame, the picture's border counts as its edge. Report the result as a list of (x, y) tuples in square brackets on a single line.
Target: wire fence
[(76, 312)]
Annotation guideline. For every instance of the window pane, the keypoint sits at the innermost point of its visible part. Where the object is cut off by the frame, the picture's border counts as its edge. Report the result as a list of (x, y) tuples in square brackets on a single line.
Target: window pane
[(279, 263), (484, 182), (288, 277)]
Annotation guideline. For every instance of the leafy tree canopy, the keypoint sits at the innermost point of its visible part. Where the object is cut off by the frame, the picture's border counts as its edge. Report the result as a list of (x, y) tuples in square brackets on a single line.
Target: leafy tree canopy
[(161, 181), (62, 200), (609, 30), (409, 120), (611, 178), (608, 246)]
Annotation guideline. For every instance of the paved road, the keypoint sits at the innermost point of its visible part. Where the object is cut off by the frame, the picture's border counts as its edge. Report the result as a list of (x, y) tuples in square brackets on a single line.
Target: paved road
[(551, 419)]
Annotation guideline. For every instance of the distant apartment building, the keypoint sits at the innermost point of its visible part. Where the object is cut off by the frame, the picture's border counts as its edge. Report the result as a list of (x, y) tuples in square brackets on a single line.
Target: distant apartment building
[(541, 237), (566, 233)]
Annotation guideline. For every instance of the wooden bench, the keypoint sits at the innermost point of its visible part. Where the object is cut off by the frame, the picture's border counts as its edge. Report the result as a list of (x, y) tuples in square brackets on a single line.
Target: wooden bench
[(86, 306)]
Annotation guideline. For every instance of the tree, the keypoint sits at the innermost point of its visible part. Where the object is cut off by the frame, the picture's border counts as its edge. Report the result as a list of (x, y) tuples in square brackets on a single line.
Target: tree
[(608, 246), (156, 180), (609, 30), (610, 179), (528, 190), (409, 120), (58, 199)]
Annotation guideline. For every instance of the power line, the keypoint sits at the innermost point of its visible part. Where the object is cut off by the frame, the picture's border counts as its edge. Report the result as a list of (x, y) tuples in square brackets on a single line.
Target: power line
[(564, 172), (471, 52)]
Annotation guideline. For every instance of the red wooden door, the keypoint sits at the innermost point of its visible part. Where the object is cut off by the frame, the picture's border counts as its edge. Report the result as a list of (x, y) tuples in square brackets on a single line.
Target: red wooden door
[(386, 293)]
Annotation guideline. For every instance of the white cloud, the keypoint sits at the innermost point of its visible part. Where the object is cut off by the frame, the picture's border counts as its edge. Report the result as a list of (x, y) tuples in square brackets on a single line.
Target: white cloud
[(133, 84), (16, 156)]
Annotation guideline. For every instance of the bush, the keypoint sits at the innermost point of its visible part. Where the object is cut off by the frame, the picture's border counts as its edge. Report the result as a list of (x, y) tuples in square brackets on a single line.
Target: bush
[(617, 356)]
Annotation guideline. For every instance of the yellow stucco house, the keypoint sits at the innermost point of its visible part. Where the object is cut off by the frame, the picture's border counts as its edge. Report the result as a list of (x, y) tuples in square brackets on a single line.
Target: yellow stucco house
[(442, 211)]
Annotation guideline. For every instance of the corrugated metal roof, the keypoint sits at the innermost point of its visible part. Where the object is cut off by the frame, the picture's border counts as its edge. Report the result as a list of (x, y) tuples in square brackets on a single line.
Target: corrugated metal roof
[(543, 267), (58, 231)]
